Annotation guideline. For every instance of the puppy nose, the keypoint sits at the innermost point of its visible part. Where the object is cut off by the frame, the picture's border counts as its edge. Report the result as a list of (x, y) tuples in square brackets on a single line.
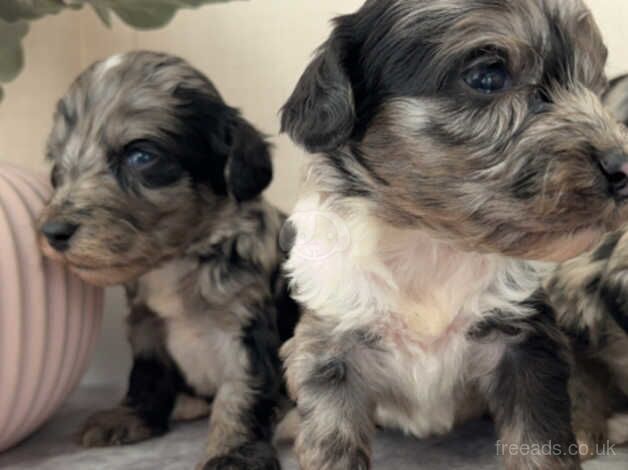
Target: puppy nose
[(59, 234), (615, 167)]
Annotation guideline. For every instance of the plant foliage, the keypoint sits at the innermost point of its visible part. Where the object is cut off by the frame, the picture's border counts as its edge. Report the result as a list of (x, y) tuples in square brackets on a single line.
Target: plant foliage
[(15, 16)]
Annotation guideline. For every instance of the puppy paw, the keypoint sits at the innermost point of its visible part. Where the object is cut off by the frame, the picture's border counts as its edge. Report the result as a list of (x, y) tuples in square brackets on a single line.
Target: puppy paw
[(114, 427), (257, 456)]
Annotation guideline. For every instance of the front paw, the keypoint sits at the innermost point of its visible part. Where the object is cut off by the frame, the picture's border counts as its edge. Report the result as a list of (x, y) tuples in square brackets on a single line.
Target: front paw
[(258, 456), (114, 427)]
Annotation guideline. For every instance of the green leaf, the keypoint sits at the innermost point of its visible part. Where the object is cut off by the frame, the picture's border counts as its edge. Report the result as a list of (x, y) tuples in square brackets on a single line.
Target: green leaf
[(1, 93), (102, 10), (11, 53), (150, 14), (15, 14), (15, 10), (144, 14)]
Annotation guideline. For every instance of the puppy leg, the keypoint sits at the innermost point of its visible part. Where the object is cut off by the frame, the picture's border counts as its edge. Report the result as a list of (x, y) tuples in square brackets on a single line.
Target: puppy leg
[(153, 387), (614, 353), (239, 433), (334, 399), (527, 392), (245, 411), (587, 294), (590, 404)]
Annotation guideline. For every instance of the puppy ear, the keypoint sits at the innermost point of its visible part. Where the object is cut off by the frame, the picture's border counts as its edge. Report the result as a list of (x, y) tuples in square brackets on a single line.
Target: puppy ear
[(249, 167), (320, 114), (217, 146), (616, 98)]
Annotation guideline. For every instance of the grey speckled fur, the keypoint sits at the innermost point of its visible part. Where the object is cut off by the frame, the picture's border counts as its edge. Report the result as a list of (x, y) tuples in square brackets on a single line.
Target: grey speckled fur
[(454, 141), (158, 187)]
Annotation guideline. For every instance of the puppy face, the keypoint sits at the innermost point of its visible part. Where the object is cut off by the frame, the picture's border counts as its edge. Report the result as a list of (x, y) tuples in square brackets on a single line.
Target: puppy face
[(144, 151), (479, 120)]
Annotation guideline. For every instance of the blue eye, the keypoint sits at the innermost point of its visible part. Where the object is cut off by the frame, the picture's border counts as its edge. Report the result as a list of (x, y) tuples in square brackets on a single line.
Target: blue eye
[(488, 78), (140, 159)]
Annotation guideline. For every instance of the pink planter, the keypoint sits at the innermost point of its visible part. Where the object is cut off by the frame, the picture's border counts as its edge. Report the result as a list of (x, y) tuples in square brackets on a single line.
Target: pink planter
[(49, 319)]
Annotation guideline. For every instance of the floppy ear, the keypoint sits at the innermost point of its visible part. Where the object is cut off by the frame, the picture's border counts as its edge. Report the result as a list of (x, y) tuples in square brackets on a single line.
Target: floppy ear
[(320, 114), (249, 168), (217, 146), (616, 98)]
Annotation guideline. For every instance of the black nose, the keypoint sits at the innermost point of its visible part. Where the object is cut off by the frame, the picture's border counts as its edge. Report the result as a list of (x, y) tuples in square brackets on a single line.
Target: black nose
[(59, 234), (614, 165)]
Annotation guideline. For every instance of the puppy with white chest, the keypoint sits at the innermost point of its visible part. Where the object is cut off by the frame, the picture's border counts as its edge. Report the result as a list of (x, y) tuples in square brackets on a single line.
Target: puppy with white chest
[(157, 187), (461, 147)]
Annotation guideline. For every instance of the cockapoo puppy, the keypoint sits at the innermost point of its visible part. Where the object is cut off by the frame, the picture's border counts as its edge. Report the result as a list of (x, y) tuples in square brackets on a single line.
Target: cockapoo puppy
[(590, 297), (460, 148), (157, 187)]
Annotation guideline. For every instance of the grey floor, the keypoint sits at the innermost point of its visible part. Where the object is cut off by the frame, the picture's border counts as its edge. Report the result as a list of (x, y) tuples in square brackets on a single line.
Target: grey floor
[(472, 447)]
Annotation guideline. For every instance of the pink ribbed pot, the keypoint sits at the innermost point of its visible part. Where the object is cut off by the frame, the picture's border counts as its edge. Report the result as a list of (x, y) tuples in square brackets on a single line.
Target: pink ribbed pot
[(49, 319)]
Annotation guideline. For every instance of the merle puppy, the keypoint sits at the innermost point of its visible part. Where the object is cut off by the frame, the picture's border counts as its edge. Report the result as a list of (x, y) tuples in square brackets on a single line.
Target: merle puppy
[(157, 187), (459, 148), (590, 296)]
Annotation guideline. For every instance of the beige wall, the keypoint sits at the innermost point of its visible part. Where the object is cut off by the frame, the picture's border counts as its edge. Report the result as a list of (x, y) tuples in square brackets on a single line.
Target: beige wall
[(254, 51), (52, 59)]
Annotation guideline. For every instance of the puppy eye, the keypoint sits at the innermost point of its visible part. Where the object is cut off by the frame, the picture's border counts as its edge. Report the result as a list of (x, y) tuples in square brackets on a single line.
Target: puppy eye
[(140, 159), (488, 78)]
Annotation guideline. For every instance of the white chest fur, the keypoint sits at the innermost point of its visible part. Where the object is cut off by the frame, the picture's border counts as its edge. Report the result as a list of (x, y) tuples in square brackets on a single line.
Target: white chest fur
[(431, 382), (440, 293), (419, 295), (206, 354), (202, 344)]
